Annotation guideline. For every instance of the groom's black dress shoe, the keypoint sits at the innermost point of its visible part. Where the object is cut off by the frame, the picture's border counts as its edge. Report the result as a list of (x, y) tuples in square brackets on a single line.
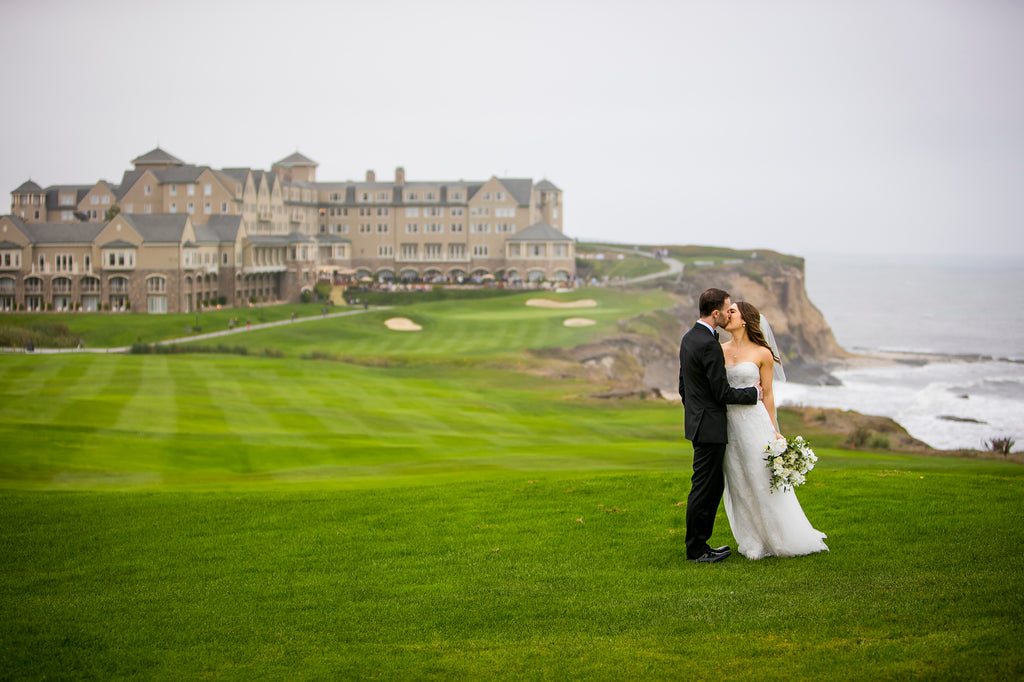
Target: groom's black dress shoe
[(711, 556), (724, 549)]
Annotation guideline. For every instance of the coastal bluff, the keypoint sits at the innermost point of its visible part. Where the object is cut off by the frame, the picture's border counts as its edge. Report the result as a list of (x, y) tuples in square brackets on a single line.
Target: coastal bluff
[(643, 356)]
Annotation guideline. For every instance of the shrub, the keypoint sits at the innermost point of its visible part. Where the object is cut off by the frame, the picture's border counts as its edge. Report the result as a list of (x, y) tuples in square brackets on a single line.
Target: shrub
[(322, 289), (878, 442), (307, 296), (858, 437), (821, 416), (1001, 445)]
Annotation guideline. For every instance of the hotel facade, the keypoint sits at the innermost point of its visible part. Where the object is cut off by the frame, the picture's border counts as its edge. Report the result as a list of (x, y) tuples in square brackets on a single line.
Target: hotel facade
[(173, 236)]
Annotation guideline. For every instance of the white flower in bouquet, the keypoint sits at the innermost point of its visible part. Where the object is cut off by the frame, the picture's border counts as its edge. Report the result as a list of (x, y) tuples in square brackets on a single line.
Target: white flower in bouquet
[(789, 461)]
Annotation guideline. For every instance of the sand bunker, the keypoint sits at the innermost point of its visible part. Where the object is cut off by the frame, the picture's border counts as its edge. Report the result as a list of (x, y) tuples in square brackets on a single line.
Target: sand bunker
[(579, 322), (402, 324), (545, 303)]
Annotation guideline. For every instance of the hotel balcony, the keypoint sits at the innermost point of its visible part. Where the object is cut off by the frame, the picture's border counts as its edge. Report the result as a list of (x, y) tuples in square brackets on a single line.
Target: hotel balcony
[(260, 269)]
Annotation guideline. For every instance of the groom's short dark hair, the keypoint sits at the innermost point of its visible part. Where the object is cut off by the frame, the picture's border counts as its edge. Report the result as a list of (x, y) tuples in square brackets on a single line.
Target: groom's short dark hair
[(712, 300)]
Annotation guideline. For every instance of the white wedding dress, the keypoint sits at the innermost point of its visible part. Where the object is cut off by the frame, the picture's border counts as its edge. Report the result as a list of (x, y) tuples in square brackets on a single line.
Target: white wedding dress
[(764, 523)]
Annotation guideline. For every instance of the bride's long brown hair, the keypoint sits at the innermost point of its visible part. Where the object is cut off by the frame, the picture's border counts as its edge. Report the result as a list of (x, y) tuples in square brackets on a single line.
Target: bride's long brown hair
[(752, 317)]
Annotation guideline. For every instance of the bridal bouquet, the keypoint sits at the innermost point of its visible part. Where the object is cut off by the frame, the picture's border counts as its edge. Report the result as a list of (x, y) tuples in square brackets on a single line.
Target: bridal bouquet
[(789, 461)]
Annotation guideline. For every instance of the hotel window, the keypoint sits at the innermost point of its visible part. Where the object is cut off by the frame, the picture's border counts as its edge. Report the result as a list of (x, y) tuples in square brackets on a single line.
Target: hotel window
[(457, 211), (149, 190), (411, 228), (174, 190), (433, 211), (432, 251), (412, 213), (385, 250), (456, 250), (560, 251), (433, 228), (487, 196), (67, 199), (207, 209), (224, 259), (364, 196), (480, 250), (335, 196), (430, 196), (457, 227), (383, 196), (223, 207), (191, 206), (480, 228), (191, 190), (513, 250), (411, 196), (94, 199), (365, 212), (66, 215), (383, 211), (156, 287), (149, 208), (506, 227), (174, 208), (365, 228), (105, 200), (409, 250), (505, 212), (207, 190), (383, 228), (455, 196), (537, 250)]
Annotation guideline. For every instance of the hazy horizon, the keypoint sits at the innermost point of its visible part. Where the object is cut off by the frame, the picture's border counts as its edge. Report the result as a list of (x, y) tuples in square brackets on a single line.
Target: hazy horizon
[(799, 126)]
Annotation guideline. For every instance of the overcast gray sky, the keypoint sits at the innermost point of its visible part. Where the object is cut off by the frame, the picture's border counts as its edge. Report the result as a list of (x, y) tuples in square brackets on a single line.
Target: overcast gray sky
[(888, 125)]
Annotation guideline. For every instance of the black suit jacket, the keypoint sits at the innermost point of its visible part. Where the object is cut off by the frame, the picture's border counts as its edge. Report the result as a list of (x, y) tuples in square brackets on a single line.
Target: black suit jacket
[(705, 388)]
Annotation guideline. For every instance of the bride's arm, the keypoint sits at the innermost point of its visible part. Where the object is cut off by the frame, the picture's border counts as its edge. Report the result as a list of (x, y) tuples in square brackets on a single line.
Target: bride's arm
[(767, 367)]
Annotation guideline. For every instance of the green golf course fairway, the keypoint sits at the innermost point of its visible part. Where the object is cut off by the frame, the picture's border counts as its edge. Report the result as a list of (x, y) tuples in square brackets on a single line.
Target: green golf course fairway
[(441, 504)]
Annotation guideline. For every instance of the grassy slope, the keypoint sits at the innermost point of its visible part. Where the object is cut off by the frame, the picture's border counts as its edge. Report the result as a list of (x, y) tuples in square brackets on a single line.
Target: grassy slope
[(197, 515)]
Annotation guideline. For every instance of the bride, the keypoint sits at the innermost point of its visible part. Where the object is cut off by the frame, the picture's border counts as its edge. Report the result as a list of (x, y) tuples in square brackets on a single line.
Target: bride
[(764, 523)]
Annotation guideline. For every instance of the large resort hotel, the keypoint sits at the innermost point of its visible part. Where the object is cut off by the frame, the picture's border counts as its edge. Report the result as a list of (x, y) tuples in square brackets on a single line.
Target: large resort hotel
[(173, 236)]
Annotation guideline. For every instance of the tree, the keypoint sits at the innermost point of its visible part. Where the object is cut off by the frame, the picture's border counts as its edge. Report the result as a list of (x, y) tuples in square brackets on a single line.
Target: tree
[(111, 212)]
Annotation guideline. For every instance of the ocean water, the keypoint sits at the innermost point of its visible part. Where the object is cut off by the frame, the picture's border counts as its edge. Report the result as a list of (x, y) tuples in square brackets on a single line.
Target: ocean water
[(961, 319)]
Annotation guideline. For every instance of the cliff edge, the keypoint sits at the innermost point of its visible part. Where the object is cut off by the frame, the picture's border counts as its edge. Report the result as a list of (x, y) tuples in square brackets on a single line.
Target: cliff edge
[(644, 355)]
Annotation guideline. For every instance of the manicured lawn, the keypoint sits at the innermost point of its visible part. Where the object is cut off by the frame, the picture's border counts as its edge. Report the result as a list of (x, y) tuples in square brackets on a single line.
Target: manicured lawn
[(426, 510)]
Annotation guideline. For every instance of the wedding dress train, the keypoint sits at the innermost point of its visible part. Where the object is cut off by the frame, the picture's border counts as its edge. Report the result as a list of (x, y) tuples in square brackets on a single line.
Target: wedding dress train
[(764, 523)]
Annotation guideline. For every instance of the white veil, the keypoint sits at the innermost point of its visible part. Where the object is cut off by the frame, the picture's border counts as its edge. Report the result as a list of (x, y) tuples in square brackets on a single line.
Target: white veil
[(766, 329)]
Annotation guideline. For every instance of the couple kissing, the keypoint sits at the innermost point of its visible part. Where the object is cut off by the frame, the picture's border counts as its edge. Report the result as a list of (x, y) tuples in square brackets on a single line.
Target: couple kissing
[(730, 419)]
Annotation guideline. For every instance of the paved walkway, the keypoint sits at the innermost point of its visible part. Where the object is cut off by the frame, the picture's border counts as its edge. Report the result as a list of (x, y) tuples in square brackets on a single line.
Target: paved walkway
[(241, 329), (675, 268)]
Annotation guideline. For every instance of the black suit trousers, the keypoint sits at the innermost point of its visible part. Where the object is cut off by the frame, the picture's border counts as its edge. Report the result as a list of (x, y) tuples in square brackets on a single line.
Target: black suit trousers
[(706, 488)]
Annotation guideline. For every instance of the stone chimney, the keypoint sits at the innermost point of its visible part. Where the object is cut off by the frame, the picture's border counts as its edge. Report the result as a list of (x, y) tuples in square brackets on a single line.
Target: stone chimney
[(371, 176), (399, 176)]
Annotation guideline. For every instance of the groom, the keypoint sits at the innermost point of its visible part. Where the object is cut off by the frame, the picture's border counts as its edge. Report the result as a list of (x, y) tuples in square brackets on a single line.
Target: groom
[(705, 391)]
